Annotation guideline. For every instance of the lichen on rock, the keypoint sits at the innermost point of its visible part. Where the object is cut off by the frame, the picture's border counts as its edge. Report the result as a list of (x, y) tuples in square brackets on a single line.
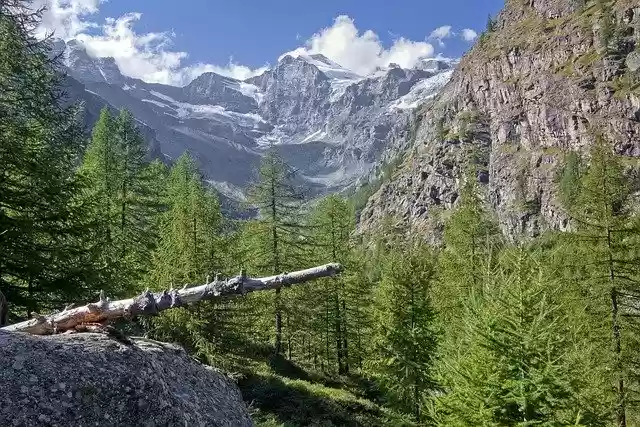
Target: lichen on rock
[(91, 379)]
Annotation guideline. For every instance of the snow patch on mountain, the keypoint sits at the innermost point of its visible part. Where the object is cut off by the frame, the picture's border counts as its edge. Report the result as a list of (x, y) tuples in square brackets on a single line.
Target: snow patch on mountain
[(422, 91), (328, 122), (163, 97), (157, 103), (247, 89), (340, 78), (216, 112), (316, 136), (185, 110), (275, 137)]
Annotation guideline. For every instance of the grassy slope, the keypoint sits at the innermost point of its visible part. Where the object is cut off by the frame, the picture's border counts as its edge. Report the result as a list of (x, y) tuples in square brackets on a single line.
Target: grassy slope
[(280, 393)]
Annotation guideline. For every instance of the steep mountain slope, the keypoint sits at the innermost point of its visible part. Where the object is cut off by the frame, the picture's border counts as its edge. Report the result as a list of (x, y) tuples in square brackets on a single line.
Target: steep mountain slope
[(543, 83), (330, 123)]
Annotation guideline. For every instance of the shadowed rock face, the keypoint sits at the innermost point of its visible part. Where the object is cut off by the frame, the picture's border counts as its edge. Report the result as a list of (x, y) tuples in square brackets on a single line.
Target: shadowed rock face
[(91, 379), (542, 85)]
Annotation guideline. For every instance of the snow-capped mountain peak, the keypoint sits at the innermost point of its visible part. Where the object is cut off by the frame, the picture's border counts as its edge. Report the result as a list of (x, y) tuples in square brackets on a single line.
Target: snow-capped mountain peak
[(329, 122), (329, 68)]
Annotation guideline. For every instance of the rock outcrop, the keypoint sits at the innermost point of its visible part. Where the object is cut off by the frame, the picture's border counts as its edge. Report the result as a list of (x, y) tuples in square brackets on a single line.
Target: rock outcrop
[(94, 380), (550, 76)]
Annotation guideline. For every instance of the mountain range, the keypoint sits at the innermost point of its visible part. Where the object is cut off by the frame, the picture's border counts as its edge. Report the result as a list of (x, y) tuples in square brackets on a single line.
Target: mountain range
[(329, 123)]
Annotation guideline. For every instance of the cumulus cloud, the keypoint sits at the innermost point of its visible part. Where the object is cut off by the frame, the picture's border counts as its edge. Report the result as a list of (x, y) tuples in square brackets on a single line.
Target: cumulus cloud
[(152, 57), (441, 33), (468, 35), (362, 52), (65, 18), (148, 56)]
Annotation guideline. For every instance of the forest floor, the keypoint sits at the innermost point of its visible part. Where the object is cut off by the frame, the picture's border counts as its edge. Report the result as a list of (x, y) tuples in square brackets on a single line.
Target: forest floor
[(281, 393)]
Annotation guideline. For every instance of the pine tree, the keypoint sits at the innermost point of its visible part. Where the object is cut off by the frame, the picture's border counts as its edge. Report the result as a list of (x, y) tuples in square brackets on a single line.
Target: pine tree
[(189, 248), (471, 241), (516, 363), (404, 340), (277, 240), (332, 221), (124, 190), (43, 231), (603, 243)]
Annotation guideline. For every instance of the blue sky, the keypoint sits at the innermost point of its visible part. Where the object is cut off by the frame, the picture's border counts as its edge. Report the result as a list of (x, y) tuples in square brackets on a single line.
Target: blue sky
[(169, 41)]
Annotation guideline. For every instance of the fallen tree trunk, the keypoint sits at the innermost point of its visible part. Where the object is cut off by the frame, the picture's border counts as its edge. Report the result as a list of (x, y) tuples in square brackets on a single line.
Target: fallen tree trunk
[(149, 303)]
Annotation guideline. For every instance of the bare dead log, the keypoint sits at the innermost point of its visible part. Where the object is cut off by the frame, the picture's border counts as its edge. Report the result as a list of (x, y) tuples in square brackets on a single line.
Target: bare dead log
[(149, 303)]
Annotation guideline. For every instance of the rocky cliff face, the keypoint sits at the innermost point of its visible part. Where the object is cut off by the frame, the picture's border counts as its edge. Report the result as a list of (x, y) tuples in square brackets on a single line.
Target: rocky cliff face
[(550, 76)]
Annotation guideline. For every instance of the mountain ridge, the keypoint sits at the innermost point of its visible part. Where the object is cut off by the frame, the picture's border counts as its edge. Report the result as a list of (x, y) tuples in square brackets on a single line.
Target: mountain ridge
[(330, 123)]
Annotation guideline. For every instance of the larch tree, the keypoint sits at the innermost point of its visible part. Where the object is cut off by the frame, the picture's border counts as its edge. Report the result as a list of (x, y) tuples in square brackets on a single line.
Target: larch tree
[(604, 242), (122, 188), (189, 251), (277, 239), (331, 222), (190, 228), (43, 231), (404, 342)]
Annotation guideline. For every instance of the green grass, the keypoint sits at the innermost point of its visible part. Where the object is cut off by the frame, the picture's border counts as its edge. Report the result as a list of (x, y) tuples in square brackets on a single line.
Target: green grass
[(281, 393), (625, 85)]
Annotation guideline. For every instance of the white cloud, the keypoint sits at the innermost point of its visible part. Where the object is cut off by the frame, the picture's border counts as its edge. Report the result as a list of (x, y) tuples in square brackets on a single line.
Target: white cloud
[(362, 53), (65, 17), (442, 33), (151, 56), (468, 34), (147, 56)]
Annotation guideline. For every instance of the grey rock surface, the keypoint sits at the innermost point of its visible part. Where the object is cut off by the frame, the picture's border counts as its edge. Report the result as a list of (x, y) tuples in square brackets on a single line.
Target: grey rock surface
[(539, 87), (93, 380)]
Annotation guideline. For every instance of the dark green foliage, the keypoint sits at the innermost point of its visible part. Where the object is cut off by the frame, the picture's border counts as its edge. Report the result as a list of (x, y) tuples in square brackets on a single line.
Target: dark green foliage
[(124, 194), (43, 231), (608, 270), (190, 243), (491, 24), (332, 221), (471, 241), (481, 333), (277, 240)]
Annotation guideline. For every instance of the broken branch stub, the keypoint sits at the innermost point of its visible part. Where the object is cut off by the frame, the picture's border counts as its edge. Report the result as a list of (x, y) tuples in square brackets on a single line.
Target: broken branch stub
[(149, 303)]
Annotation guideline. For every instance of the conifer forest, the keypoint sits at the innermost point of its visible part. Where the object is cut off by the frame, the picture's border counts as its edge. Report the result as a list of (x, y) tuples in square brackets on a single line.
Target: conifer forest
[(474, 328)]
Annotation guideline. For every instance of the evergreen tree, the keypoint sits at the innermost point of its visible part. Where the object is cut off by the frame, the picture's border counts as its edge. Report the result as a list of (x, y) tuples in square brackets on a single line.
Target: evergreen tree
[(277, 242), (332, 221), (43, 232), (471, 241), (125, 192), (516, 364), (404, 340), (602, 241), (189, 248)]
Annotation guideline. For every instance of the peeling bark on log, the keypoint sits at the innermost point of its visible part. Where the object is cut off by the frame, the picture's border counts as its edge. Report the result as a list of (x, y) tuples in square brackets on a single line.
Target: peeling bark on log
[(149, 303)]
